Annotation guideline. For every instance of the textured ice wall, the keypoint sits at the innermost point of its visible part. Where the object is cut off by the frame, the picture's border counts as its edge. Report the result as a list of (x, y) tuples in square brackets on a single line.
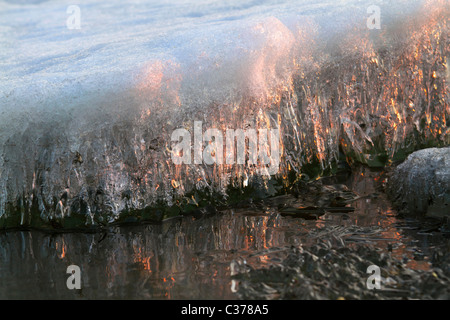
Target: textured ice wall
[(86, 115)]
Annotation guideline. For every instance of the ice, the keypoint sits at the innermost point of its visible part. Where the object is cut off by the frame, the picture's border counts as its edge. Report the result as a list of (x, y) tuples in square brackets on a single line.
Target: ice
[(86, 114)]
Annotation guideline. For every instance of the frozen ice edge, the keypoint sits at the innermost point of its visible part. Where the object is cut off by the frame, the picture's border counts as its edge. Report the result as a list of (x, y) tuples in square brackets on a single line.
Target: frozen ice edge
[(48, 118)]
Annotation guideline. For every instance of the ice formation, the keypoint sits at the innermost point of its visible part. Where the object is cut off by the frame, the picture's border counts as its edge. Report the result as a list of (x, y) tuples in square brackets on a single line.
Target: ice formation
[(86, 115)]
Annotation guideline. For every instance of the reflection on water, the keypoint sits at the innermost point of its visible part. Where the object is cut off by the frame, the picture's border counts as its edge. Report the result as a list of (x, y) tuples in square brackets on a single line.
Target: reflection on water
[(190, 257)]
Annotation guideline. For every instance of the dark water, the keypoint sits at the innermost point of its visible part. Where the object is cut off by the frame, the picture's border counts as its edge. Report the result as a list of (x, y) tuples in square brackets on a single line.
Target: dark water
[(190, 257)]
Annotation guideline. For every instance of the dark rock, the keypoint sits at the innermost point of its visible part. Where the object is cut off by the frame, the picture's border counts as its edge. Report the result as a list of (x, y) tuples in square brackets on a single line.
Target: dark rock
[(421, 184)]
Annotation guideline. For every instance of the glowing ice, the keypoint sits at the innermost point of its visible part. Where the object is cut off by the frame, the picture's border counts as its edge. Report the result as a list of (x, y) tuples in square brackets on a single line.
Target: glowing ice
[(86, 114)]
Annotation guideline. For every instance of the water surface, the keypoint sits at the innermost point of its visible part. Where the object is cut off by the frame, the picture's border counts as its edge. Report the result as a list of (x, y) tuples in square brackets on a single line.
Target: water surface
[(190, 257)]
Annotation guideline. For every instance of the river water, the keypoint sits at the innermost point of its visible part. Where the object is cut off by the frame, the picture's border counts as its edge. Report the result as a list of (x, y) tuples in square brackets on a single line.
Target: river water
[(192, 257)]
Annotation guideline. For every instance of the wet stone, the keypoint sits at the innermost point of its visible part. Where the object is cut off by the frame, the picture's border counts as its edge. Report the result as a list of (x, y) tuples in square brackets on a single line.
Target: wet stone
[(421, 184)]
